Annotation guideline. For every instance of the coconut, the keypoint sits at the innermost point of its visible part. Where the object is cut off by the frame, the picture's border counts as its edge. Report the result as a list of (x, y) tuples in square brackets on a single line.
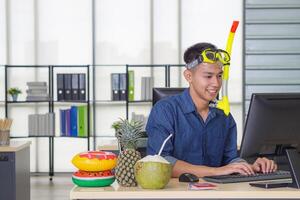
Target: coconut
[(153, 172)]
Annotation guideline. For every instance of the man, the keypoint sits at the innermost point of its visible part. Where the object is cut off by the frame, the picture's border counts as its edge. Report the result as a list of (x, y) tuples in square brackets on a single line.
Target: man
[(204, 140)]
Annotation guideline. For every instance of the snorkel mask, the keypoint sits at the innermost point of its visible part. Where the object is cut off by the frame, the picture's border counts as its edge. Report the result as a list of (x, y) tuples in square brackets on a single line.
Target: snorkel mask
[(219, 55), (211, 56)]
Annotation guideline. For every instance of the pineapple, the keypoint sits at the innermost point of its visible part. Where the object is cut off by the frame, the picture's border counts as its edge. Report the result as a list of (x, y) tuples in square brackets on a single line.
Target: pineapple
[(127, 134)]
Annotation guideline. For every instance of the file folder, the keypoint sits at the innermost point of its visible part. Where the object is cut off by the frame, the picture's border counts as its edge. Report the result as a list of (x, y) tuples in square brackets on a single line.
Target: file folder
[(115, 84), (82, 121), (75, 87), (131, 85), (82, 87), (60, 87), (68, 86), (62, 115), (68, 124), (122, 88), (73, 121)]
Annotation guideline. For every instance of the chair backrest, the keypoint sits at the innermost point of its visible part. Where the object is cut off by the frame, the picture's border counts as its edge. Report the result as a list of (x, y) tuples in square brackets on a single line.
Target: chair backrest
[(160, 93)]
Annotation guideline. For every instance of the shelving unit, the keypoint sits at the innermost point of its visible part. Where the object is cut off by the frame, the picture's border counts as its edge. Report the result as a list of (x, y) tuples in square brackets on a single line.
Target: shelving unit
[(97, 98), (52, 103), (162, 78)]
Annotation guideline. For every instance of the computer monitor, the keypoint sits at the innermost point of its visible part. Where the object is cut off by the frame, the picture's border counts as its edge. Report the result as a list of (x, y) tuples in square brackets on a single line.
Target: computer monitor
[(160, 93), (272, 125)]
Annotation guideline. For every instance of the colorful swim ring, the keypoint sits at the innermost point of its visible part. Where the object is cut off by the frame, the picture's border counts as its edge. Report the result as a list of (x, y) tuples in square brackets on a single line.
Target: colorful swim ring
[(93, 161), (93, 179)]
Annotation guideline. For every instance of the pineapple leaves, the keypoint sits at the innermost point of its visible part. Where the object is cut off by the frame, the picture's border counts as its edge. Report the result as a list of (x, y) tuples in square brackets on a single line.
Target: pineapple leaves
[(128, 133)]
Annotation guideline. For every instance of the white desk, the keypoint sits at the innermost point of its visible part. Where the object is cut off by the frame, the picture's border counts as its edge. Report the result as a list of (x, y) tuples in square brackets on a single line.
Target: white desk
[(176, 190)]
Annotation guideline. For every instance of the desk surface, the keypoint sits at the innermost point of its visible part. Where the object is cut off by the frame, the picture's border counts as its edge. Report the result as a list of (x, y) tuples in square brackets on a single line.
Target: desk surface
[(15, 146), (177, 190)]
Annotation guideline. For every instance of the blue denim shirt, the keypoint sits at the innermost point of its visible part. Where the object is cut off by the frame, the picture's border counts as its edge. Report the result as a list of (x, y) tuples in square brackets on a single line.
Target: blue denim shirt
[(210, 143)]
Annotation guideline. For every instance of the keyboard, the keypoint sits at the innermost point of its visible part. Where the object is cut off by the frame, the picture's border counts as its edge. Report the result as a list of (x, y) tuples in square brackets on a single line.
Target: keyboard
[(236, 178)]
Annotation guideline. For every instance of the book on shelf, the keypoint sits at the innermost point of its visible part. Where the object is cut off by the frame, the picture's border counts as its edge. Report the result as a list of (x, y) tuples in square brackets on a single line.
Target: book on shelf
[(41, 124), (146, 88), (115, 85), (131, 85), (119, 86), (67, 87), (122, 87), (73, 121), (37, 91), (75, 87), (60, 87), (82, 121), (71, 87), (82, 87)]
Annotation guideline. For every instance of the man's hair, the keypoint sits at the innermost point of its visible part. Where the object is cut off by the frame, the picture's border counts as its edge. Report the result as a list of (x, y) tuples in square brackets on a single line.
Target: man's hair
[(194, 52)]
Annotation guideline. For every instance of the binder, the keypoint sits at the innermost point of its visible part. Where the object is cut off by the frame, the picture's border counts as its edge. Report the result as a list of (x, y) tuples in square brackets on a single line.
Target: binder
[(122, 88), (60, 87), (62, 117), (75, 87), (82, 121), (115, 84), (68, 87), (68, 124), (73, 121), (131, 85), (82, 87)]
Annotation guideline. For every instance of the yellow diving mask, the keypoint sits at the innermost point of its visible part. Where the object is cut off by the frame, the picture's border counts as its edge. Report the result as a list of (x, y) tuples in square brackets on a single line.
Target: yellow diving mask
[(211, 56)]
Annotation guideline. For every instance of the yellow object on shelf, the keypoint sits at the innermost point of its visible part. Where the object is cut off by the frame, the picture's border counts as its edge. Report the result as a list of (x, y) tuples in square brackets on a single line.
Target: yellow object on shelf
[(93, 161)]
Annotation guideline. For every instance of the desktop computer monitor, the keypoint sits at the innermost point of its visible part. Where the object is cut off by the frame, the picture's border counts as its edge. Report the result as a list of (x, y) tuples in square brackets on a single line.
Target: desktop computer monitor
[(160, 93), (272, 125)]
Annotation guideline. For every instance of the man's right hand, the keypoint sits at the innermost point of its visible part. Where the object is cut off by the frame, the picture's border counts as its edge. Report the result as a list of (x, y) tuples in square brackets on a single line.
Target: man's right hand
[(238, 167)]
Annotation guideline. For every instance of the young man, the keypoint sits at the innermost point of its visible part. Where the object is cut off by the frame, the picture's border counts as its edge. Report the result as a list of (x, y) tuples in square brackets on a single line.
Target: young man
[(204, 140)]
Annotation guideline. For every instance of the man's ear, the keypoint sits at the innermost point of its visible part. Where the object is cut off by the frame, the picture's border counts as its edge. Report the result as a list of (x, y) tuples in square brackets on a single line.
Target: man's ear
[(187, 75)]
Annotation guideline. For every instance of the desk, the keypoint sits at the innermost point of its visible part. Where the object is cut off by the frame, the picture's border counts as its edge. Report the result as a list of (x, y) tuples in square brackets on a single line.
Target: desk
[(15, 171), (177, 190)]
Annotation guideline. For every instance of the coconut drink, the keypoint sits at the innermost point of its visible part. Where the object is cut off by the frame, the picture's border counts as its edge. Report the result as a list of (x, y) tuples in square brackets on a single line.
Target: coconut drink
[(153, 171)]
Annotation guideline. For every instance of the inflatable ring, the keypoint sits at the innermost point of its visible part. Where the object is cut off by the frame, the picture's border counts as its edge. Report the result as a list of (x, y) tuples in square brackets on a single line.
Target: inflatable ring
[(93, 179), (93, 161)]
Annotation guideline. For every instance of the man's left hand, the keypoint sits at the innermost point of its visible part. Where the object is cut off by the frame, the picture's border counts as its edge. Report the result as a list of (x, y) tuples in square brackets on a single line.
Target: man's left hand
[(264, 165)]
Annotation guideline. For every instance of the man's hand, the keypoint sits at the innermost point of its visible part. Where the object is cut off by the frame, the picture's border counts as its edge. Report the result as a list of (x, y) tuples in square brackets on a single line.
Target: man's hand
[(264, 165), (238, 167)]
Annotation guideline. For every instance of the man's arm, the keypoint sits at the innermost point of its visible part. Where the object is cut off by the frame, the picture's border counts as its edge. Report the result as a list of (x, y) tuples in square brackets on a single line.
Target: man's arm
[(181, 167)]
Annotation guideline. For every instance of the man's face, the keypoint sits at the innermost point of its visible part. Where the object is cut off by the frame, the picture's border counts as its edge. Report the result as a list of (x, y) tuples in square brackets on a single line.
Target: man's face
[(206, 80)]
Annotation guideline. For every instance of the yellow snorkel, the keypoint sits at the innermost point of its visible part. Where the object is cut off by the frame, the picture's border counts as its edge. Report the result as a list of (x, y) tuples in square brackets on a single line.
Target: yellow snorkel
[(223, 104)]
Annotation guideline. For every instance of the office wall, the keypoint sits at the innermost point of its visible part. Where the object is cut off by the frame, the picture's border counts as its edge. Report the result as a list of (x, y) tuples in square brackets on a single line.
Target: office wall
[(126, 32)]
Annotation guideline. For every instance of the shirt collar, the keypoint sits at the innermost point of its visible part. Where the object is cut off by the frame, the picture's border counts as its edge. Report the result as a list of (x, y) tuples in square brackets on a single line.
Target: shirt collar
[(188, 105)]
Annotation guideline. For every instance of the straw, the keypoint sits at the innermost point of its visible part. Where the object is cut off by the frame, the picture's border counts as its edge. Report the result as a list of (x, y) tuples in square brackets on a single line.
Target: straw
[(164, 143)]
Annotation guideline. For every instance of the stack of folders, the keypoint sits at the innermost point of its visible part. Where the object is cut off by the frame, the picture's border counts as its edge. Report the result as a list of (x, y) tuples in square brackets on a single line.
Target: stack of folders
[(41, 124), (37, 91), (73, 121), (71, 87), (118, 86), (146, 88)]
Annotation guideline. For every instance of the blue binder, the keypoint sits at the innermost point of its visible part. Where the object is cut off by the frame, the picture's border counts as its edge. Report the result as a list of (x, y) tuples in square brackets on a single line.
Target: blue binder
[(62, 116), (73, 121)]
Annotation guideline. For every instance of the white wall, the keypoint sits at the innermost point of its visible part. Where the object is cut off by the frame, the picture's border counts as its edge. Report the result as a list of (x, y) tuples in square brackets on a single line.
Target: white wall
[(127, 32)]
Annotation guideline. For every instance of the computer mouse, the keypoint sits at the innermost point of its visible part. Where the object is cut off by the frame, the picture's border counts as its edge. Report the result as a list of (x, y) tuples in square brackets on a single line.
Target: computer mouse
[(188, 177)]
